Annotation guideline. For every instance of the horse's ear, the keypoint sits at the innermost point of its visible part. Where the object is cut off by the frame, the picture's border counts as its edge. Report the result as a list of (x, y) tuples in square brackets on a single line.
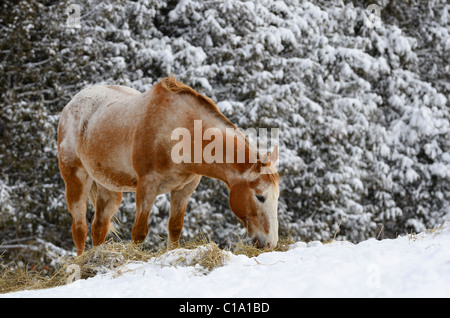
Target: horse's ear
[(274, 155), (256, 170), (266, 159)]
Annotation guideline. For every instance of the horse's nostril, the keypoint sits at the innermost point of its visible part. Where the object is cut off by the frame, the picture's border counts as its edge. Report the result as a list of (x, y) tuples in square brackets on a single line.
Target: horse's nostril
[(257, 243)]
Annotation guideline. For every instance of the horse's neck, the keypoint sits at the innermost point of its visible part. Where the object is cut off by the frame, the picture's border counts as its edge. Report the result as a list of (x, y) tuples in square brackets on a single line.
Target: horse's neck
[(232, 156), (233, 163)]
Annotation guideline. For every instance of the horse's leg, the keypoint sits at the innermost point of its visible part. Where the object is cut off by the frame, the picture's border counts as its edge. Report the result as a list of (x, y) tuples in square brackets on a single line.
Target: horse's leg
[(178, 203), (78, 183), (145, 196), (106, 203)]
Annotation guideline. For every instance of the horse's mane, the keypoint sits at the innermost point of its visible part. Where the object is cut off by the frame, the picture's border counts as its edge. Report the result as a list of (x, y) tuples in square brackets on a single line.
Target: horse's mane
[(172, 85)]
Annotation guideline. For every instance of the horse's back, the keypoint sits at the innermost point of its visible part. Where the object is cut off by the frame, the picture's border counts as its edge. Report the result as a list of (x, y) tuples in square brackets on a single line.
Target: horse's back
[(78, 113), (90, 99), (95, 130)]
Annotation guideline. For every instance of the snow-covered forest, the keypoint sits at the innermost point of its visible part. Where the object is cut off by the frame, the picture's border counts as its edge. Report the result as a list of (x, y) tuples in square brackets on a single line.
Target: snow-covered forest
[(363, 109)]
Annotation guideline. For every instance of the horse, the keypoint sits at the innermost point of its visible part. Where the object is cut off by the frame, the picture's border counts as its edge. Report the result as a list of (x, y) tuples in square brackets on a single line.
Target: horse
[(114, 139)]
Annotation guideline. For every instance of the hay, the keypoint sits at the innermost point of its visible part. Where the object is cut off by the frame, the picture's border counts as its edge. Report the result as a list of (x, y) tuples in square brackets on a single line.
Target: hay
[(208, 254), (113, 257), (250, 250)]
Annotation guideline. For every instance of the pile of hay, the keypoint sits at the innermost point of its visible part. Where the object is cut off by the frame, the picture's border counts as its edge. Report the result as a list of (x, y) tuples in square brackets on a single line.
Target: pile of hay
[(114, 256)]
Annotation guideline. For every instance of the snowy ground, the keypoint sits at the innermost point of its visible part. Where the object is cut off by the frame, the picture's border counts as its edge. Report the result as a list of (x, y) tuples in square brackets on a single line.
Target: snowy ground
[(409, 266)]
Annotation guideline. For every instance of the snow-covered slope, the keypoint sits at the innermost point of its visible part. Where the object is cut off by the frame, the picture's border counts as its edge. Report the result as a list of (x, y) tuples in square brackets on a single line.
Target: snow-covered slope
[(410, 266)]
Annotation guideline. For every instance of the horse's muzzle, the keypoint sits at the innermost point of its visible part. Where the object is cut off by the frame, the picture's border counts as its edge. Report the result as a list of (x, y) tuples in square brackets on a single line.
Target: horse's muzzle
[(263, 245)]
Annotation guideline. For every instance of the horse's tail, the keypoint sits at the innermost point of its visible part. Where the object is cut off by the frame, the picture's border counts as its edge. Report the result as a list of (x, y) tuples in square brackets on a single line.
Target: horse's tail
[(93, 193)]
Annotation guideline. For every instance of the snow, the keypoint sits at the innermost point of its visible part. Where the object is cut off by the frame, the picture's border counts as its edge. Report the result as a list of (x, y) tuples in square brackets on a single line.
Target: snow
[(5, 198), (416, 265)]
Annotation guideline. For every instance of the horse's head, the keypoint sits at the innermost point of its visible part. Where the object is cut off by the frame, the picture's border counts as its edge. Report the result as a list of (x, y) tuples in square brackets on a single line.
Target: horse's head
[(254, 200)]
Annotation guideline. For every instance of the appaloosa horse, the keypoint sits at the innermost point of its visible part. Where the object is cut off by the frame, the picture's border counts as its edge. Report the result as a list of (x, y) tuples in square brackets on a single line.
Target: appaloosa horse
[(113, 139)]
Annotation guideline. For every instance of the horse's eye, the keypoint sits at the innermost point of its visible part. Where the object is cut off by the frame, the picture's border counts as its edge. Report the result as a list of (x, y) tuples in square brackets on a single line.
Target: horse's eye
[(261, 198)]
